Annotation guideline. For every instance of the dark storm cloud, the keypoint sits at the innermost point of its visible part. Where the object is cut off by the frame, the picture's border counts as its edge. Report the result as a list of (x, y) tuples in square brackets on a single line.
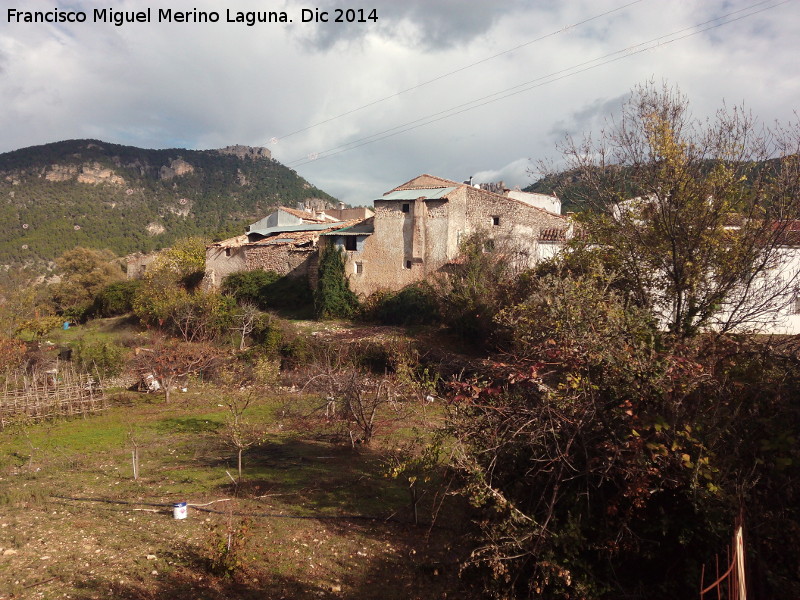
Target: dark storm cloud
[(419, 23)]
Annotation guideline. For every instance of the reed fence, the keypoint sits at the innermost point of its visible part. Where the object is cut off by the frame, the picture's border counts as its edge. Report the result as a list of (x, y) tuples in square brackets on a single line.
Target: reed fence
[(41, 395)]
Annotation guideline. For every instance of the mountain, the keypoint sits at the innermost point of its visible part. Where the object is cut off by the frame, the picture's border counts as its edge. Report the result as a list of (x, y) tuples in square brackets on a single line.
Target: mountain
[(91, 193)]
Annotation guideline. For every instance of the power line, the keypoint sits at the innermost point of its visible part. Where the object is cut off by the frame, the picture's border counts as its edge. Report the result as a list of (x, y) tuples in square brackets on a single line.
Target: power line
[(459, 70), (533, 84)]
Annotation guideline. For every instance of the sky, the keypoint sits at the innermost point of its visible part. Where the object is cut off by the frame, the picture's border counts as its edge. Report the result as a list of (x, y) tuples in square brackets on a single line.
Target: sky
[(455, 88)]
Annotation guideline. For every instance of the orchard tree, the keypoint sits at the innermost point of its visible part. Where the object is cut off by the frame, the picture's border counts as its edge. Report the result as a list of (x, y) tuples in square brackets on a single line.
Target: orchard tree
[(694, 212), (170, 361)]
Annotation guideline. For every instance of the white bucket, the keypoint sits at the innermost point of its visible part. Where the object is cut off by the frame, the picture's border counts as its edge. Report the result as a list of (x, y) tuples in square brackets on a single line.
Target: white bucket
[(179, 510)]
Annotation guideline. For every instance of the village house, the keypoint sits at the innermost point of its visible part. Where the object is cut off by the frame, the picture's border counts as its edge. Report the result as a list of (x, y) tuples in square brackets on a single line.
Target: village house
[(419, 226), (285, 242)]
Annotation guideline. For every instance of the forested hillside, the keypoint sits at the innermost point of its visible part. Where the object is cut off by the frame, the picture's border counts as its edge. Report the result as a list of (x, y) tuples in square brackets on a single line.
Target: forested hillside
[(94, 194)]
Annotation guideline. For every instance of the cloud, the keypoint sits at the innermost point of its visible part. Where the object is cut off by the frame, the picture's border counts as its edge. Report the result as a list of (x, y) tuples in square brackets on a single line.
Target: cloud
[(422, 24), (210, 85), (587, 118), (514, 174)]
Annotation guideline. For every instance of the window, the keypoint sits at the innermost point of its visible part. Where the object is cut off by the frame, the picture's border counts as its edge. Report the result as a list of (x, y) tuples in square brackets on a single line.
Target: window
[(351, 243), (495, 221), (408, 264), (796, 305), (227, 251), (359, 268), (488, 246), (406, 207)]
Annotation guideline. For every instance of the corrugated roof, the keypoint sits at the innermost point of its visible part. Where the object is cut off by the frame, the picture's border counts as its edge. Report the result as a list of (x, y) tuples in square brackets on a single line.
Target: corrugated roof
[(365, 227), (289, 228), (427, 193), (300, 214)]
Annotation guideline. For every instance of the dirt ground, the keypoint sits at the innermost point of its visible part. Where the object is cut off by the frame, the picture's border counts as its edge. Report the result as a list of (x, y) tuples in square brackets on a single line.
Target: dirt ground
[(75, 524)]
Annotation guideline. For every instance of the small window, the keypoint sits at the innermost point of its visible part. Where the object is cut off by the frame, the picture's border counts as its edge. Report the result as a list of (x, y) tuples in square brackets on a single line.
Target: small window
[(408, 264), (406, 207), (350, 243), (227, 251), (495, 221), (359, 268), (488, 246), (796, 305)]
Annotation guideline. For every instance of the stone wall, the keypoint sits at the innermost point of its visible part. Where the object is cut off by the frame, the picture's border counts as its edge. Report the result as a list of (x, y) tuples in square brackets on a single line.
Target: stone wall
[(221, 262), (283, 259)]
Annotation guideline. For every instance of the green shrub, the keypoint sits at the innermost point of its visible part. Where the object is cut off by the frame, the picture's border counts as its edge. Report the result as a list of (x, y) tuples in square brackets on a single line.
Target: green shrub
[(115, 299), (268, 290), (297, 351), (287, 293), (413, 305), (104, 357), (246, 286), (195, 316), (268, 333)]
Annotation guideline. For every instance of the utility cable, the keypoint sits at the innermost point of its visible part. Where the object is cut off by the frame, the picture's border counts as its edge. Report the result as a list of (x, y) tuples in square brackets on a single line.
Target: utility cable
[(454, 72), (533, 84)]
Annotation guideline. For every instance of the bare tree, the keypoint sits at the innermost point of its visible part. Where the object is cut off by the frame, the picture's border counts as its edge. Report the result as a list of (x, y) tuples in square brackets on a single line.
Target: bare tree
[(695, 213), (240, 433), (246, 319), (354, 397)]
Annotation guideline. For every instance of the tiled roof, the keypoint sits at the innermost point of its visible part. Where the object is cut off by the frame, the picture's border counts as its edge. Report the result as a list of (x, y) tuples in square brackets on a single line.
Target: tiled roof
[(282, 238), (788, 233), (414, 193), (426, 181), (552, 234)]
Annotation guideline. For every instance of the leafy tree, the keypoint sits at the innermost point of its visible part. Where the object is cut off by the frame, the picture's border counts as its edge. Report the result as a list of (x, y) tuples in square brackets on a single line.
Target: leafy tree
[(194, 316), (183, 264), (39, 327), (84, 273), (712, 204), (603, 453), (333, 298), (581, 450)]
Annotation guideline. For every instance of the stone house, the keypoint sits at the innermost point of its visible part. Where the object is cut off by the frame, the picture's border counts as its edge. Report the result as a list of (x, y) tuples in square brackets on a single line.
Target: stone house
[(419, 226), (136, 264), (284, 241)]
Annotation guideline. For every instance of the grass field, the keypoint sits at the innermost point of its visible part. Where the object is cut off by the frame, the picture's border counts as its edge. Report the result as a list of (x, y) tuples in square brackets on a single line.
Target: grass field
[(312, 516)]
